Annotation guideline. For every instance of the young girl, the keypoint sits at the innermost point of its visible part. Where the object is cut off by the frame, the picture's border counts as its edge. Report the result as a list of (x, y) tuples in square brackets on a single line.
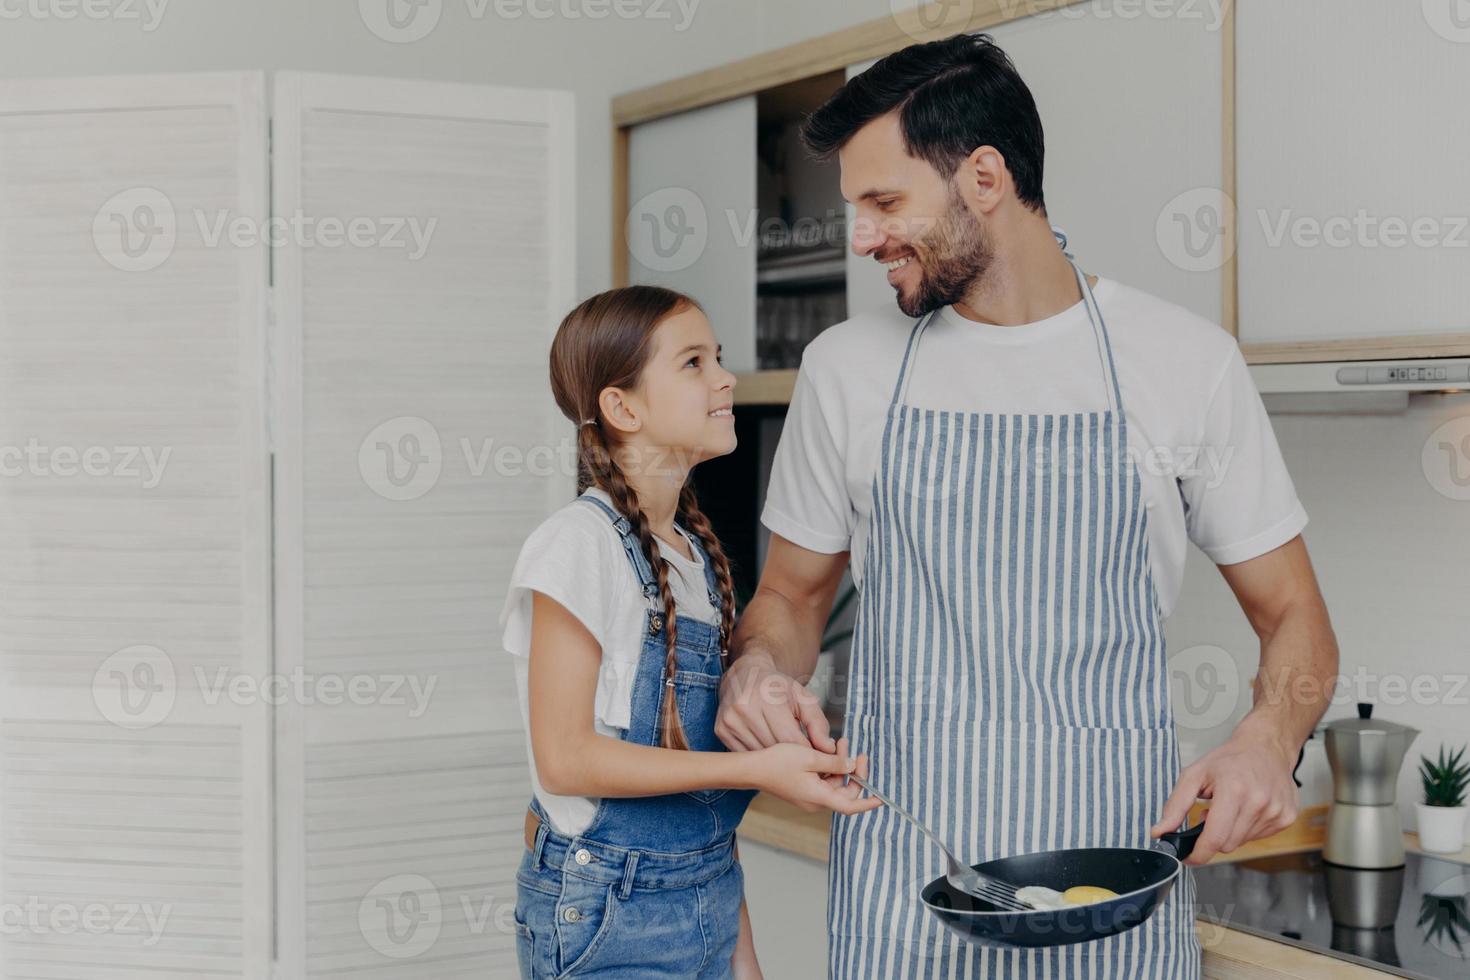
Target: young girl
[(620, 613)]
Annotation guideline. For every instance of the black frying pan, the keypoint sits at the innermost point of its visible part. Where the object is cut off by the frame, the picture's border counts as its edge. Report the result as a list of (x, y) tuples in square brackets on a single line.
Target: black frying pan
[(1142, 877)]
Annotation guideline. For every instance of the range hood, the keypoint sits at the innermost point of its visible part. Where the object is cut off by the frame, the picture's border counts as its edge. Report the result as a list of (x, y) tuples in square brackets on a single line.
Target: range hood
[(1429, 374), (1356, 387)]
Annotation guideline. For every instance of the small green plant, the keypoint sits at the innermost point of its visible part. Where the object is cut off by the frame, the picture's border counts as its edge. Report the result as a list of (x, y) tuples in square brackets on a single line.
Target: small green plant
[(1445, 780)]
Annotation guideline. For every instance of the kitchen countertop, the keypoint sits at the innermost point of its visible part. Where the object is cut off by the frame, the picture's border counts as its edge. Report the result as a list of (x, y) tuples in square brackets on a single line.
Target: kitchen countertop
[(1228, 953)]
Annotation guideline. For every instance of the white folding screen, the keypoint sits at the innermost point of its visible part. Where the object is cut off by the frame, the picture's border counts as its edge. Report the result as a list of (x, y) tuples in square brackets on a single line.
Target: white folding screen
[(417, 445), (134, 529), (238, 741)]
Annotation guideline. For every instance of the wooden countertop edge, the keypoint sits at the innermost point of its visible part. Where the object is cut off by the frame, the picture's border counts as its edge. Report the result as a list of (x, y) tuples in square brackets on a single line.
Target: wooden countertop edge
[(1228, 953)]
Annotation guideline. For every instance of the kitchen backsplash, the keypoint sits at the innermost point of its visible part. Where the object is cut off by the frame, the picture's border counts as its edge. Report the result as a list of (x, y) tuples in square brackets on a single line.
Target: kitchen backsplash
[(1390, 544)]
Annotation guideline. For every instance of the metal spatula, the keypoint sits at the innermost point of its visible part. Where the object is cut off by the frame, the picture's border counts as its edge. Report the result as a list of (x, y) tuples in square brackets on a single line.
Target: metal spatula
[(965, 880)]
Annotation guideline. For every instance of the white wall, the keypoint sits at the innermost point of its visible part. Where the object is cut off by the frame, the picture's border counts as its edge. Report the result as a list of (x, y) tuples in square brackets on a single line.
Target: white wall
[(1392, 555)]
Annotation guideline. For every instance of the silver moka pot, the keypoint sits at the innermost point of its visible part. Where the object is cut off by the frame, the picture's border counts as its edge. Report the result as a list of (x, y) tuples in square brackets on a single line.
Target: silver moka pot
[(1363, 828)]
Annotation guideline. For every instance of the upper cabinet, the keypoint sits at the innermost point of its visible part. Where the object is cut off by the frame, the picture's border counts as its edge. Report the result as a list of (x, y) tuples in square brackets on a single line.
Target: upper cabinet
[(724, 204), (1287, 172), (690, 221), (1352, 205), (1132, 111)]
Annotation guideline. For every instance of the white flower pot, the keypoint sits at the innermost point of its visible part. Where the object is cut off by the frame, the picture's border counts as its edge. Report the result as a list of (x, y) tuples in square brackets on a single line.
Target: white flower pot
[(1441, 828)]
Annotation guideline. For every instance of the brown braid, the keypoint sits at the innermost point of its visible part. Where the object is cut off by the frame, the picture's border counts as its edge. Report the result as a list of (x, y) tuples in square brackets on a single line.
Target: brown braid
[(605, 473), (694, 520), (604, 343)]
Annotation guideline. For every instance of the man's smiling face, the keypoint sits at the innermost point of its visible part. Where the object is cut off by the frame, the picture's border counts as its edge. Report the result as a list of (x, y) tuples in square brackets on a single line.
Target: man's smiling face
[(911, 218)]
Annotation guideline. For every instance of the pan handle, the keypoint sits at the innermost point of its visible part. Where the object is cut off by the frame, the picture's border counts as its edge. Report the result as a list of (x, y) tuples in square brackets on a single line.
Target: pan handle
[(1180, 843)]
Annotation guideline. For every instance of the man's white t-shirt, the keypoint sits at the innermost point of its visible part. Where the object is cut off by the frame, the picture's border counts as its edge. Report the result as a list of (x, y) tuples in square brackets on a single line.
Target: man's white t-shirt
[(1198, 433), (576, 557)]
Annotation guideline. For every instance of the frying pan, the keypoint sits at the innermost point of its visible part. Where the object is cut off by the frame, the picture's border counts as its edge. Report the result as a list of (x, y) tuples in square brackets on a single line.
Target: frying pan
[(1142, 877)]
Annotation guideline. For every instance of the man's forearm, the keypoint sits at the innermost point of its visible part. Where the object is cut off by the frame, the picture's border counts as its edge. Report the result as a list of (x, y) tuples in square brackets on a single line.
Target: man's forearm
[(1293, 687), (789, 633)]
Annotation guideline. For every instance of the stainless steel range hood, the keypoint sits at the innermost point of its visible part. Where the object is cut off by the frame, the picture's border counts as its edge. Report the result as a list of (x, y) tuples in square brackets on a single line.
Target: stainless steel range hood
[(1432, 374), (1356, 387)]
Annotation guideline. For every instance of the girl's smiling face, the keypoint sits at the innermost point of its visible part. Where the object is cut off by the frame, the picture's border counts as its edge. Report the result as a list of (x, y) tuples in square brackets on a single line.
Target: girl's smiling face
[(684, 401)]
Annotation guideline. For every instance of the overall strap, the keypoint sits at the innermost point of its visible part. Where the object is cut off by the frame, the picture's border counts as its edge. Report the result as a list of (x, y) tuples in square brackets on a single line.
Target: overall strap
[(631, 546), (1099, 329), (711, 583), (900, 387), (634, 550)]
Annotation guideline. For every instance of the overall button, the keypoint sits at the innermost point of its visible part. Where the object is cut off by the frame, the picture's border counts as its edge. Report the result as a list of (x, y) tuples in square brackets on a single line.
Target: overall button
[(583, 856), (571, 915), (655, 624)]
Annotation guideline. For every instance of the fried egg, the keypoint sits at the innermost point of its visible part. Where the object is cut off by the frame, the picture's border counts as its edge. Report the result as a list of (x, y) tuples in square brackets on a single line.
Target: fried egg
[(1050, 900), (1088, 894)]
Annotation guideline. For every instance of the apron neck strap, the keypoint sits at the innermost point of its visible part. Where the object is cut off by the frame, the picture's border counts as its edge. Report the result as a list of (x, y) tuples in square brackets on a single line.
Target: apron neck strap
[(1094, 314), (1099, 327)]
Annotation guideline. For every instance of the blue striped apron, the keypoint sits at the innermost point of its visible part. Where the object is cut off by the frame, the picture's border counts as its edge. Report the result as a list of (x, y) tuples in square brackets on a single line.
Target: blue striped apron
[(1007, 680)]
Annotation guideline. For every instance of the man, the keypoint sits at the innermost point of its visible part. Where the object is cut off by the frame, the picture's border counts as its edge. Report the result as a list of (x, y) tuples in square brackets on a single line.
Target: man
[(981, 468)]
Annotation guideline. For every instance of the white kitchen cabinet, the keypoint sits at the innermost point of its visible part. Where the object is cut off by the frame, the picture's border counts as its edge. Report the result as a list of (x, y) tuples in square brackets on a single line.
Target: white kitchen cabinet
[(1352, 142), (1125, 148), (692, 218), (867, 280), (1131, 108), (252, 679)]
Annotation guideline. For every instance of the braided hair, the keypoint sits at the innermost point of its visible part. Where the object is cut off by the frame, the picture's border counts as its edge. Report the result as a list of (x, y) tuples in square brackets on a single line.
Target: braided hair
[(605, 342)]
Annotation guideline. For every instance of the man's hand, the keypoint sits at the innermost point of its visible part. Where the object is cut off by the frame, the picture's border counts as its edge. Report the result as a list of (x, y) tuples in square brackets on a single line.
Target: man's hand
[(760, 707), (1248, 782)]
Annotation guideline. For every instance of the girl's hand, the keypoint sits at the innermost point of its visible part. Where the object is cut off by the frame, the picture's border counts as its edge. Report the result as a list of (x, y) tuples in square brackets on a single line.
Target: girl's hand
[(812, 780)]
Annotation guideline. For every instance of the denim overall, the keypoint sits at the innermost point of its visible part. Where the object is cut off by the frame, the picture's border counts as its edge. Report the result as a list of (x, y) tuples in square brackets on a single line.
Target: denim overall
[(1008, 680), (651, 888)]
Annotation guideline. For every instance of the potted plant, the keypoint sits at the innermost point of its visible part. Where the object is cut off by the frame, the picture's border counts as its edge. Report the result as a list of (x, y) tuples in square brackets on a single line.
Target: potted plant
[(1442, 814)]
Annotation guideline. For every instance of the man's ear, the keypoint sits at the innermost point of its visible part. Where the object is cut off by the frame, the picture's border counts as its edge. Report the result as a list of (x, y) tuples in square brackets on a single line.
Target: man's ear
[(619, 410), (983, 177)]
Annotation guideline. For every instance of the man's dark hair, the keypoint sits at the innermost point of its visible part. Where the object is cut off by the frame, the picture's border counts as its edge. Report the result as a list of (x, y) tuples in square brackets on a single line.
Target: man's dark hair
[(952, 95)]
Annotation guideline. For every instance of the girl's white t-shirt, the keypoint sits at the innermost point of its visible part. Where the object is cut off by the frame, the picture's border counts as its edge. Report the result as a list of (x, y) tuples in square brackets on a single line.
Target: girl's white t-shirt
[(576, 557), (1211, 469)]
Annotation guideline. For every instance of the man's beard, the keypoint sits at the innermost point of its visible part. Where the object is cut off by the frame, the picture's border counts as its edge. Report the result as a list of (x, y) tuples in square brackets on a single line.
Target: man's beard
[(958, 253)]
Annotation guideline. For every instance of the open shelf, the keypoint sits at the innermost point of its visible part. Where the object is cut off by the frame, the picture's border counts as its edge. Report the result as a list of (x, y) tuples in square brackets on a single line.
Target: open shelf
[(765, 387)]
